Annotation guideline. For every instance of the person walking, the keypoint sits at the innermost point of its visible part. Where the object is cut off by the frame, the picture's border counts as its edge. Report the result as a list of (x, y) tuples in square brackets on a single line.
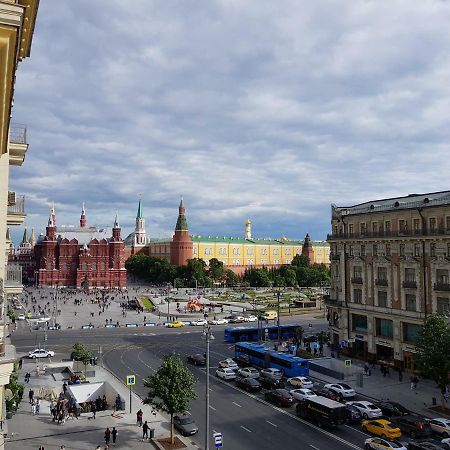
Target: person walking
[(139, 415), (107, 436), (400, 375), (31, 395), (114, 435), (145, 430)]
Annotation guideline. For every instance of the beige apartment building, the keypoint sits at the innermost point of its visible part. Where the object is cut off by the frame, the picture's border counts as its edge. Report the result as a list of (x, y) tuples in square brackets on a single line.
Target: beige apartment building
[(17, 21), (390, 264)]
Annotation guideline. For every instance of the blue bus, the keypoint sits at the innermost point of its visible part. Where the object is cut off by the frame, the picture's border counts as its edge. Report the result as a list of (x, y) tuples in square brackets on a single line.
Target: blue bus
[(258, 355), (254, 334)]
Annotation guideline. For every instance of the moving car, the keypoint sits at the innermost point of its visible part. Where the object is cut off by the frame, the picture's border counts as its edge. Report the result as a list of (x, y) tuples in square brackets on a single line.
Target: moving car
[(382, 444), (353, 414), (248, 384), (302, 394), (229, 364), (415, 426), (248, 372), (185, 425), (197, 359), (382, 428), (271, 382), (327, 393), (391, 409), (275, 373), (322, 410), (235, 319), (176, 324), (441, 426), (199, 322), (270, 315), (218, 321), (280, 397), (342, 390), (302, 382), (21, 317), (250, 318), (225, 373), (41, 353), (367, 409)]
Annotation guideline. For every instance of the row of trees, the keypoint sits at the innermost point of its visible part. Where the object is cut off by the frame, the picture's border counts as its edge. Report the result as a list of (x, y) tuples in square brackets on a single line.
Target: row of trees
[(154, 270)]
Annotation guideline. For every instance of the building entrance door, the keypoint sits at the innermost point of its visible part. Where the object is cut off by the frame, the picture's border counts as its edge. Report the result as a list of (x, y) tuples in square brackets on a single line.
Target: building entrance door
[(385, 353)]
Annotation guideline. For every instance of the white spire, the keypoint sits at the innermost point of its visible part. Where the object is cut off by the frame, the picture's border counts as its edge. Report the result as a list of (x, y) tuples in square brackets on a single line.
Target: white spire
[(116, 220)]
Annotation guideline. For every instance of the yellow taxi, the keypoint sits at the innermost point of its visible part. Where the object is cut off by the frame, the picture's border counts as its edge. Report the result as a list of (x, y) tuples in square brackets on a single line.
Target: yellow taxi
[(381, 427), (176, 324)]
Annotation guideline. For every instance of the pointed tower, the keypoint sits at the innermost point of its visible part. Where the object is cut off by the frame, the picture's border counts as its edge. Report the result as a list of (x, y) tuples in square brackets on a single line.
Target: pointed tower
[(248, 229), (307, 249), (51, 226), (52, 214), (83, 217), (9, 243), (181, 248), (140, 238), (24, 237), (32, 238), (117, 271)]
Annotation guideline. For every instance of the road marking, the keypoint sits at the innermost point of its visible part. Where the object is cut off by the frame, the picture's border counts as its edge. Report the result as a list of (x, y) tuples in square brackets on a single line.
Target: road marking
[(246, 429), (276, 426), (212, 407), (358, 431), (237, 404), (313, 446)]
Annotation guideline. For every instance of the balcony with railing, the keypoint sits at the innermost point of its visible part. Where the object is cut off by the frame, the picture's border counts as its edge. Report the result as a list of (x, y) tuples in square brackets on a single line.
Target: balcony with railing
[(381, 282), (18, 144), (442, 286), (357, 280), (13, 281), (16, 209), (409, 284)]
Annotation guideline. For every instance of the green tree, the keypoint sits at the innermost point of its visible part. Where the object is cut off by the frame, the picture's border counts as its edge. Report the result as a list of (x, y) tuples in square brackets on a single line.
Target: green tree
[(433, 350), (231, 278), (257, 277), (299, 332), (81, 353), (216, 271), (171, 388), (300, 261)]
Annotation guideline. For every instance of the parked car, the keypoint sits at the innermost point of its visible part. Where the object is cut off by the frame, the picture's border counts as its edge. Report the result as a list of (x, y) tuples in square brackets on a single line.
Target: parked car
[(391, 409), (248, 372), (229, 364), (275, 373), (199, 323), (425, 445), (248, 384), (415, 426), (280, 397), (441, 426), (383, 444), (185, 425), (324, 392), (301, 382), (302, 394), (176, 324), (235, 319), (342, 390), (197, 359), (353, 414), (367, 409), (225, 373), (271, 382), (446, 443), (222, 321), (41, 353), (250, 318), (382, 428)]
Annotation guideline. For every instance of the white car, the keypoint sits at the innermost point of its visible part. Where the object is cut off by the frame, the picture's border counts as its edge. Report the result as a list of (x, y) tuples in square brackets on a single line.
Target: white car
[(218, 321), (302, 394), (382, 444), (303, 382), (21, 317), (342, 390), (199, 323), (249, 372), (440, 426), (271, 372), (226, 374), (367, 409), (41, 353), (228, 364), (250, 318)]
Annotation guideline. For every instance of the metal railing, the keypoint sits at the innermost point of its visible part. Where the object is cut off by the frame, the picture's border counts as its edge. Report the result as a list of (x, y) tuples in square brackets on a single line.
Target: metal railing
[(357, 280), (381, 282), (439, 286), (410, 284), (18, 207), (18, 133)]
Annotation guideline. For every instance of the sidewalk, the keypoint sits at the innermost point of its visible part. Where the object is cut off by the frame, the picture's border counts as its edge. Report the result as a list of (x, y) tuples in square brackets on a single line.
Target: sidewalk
[(29, 432)]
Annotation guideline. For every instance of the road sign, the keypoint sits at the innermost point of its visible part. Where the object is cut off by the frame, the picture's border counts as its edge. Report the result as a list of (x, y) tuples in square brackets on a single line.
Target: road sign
[(266, 331), (348, 363), (131, 380), (218, 442)]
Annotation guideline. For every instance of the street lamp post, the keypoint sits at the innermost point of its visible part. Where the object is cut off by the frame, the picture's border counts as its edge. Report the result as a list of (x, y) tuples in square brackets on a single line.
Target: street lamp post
[(278, 294), (207, 333)]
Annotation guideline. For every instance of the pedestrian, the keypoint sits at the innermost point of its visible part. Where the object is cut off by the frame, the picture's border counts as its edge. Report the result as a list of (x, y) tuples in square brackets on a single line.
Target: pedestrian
[(107, 436), (415, 381), (412, 383), (114, 435), (139, 415), (33, 408), (31, 395), (400, 375), (145, 430), (366, 368), (38, 405)]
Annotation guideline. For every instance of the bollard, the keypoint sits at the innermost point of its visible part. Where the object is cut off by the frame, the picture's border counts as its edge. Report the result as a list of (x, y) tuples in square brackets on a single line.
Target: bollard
[(152, 433)]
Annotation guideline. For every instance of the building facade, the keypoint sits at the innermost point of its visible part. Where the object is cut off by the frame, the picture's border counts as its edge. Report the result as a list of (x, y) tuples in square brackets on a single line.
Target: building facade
[(390, 266), (82, 257)]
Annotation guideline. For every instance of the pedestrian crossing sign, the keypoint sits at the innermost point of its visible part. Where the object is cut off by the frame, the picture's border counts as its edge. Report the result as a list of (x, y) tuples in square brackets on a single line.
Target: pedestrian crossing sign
[(131, 380), (348, 363)]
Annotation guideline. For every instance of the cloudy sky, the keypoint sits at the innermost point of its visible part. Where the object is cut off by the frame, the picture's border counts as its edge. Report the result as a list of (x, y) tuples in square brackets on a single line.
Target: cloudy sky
[(264, 109)]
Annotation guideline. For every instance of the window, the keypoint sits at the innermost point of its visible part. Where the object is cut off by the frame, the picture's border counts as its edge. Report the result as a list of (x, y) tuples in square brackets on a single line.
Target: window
[(276, 251), (357, 296), (410, 275), (222, 251), (263, 261), (350, 229), (357, 272), (250, 261), (94, 267), (84, 266), (410, 302), (443, 306), (264, 251), (388, 249), (276, 261), (442, 276), (448, 250), (363, 250), (103, 266), (208, 251), (363, 228), (410, 331), (382, 299), (375, 250), (249, 251), (350, 250), (416, 249), (236, 251), (382, 273), (194, 252), (432, 249), (387, 226), (432, 223), (402, 225), (416, 225), (384, 328), (287, 251), (359, 323), (402, 249), (374, 227), (335, 230), (447, 223)]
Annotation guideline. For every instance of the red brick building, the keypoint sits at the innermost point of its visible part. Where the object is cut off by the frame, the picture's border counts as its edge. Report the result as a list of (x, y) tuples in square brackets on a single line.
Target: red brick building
[(82, 257)]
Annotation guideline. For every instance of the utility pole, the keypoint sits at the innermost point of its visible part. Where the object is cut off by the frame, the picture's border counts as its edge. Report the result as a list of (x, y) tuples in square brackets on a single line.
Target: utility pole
[(207, 333), (278, 294)]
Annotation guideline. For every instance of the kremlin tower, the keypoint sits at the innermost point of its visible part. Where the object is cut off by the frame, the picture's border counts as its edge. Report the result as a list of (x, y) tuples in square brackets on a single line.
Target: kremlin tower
[(181, 247), (307, 249)]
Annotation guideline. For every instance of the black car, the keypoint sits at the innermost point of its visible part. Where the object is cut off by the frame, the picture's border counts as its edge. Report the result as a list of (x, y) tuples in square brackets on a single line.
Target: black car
[(325, 392), (185, 425), (248, 384), (392, 409), (352, 414), (197, 359), (425, 445), (415, 426), (271, 382), (280, 397)]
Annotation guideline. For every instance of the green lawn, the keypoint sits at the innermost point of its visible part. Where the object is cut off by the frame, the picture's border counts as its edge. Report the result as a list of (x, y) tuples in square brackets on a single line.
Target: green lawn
[(147, 304)]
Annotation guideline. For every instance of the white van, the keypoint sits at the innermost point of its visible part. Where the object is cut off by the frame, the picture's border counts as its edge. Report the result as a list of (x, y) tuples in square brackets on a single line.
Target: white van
[(270, 315)]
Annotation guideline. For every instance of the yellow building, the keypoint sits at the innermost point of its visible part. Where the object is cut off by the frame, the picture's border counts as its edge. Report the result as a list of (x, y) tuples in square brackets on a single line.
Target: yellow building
[(17, 20)]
